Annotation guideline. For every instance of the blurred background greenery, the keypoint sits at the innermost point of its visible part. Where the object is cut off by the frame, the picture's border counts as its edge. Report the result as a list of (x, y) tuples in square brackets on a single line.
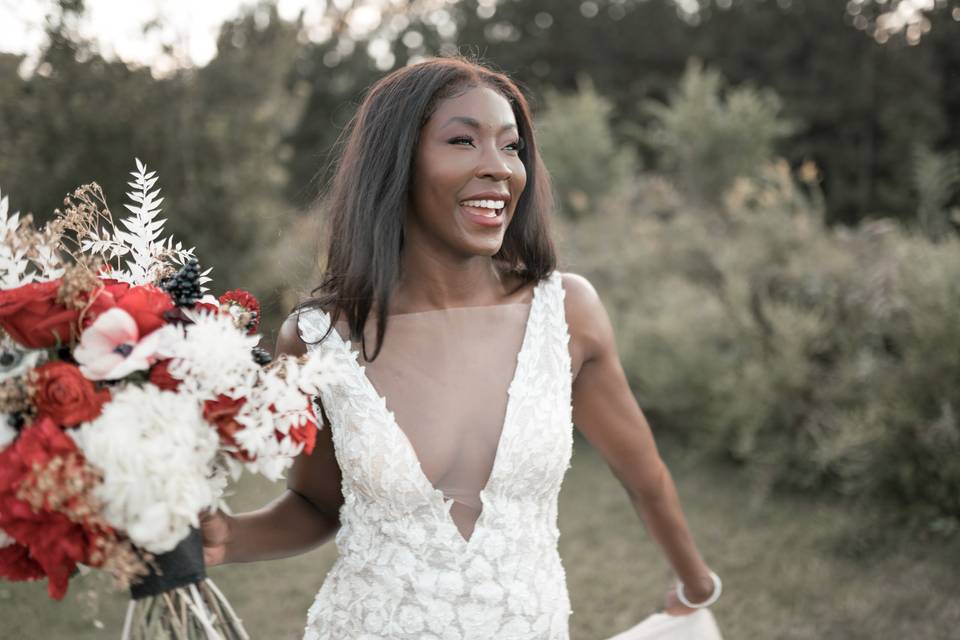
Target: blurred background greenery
[(765, 193)]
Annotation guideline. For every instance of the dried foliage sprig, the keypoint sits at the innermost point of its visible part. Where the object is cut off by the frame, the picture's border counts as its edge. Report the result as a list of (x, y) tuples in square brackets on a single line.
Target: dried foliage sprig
[(26, 255), (134, 246)]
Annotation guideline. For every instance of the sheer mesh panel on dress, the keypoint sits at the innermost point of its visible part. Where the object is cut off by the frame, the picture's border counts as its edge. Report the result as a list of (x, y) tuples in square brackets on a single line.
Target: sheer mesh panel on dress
[(445, 374)]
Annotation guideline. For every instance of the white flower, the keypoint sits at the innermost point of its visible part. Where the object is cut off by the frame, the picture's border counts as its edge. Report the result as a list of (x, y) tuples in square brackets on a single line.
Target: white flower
[(111, 347), (210, 299), (7, 433), (16, 361), (155, 452), (212, 356)]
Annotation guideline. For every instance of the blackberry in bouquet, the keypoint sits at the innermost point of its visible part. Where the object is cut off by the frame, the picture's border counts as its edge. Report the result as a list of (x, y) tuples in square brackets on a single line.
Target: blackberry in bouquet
[(129, 398)]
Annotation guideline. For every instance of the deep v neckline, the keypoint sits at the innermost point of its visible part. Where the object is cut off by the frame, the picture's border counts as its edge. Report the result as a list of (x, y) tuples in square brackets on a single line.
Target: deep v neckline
[(416, 465)]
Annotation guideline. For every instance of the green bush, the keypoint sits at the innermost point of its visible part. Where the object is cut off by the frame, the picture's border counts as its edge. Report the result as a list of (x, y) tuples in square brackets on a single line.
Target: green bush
[(936, 178), (579, 147), (820, 359), (707, 135)]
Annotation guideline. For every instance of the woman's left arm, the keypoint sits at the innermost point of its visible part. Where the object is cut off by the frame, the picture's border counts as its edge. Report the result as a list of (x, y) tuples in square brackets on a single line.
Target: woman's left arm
[(607, 414)]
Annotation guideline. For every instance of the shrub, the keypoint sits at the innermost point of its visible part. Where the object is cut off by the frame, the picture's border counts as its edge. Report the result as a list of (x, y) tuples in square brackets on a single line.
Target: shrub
[(580, 149), (707, 135), (821, 359)]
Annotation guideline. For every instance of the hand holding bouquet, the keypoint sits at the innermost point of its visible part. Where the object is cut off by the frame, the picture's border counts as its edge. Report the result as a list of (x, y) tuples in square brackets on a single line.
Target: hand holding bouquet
[(128, 398)]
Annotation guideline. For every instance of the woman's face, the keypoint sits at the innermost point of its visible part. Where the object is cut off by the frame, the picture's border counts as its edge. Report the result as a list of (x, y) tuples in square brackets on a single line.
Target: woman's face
[(467, 176)]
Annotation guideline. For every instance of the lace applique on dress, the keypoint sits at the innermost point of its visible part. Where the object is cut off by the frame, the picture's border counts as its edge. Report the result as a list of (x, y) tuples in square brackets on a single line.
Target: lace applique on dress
[(405, 570)]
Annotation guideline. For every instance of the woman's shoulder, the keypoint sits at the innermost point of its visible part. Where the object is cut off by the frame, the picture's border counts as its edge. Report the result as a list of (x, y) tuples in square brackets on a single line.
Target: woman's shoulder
[(303, 327), (289, 338), (580, 297), (587, 321)]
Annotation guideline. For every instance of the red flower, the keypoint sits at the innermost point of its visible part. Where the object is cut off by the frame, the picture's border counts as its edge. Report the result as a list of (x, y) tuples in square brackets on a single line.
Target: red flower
[(246, 300), (17, 565), (147, 304), (160, 376), (32, 317), (206, 306), (307, 432), (61, 392), (221, 412), (53, 541), (104, 299)]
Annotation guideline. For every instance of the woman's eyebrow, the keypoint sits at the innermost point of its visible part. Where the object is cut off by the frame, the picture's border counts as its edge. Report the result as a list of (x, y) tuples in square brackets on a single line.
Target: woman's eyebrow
[(474, 123)]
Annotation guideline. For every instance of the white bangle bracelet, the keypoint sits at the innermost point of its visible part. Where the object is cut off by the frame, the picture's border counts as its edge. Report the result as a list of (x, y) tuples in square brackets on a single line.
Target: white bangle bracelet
[(717, 589)]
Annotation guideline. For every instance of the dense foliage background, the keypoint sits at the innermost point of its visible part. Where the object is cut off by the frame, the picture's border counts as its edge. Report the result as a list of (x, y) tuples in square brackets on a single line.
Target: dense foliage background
[(765, 193)]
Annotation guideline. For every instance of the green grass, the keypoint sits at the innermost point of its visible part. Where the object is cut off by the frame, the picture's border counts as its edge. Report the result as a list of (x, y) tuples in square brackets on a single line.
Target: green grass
[(786, 565)]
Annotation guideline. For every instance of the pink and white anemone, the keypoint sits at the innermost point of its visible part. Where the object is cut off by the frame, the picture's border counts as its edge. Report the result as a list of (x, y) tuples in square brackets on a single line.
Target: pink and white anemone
[(111, 347)]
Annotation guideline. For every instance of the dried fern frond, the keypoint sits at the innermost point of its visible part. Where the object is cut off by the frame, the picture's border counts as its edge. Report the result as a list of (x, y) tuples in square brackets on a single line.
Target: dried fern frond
[(134, 246)]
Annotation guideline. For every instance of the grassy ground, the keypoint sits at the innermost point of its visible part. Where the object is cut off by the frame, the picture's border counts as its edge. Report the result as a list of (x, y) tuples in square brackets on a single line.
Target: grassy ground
[(786, 567)]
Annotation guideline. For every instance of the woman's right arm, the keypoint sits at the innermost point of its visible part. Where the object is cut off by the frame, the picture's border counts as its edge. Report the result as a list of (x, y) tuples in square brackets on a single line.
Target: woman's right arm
[(303, 517)]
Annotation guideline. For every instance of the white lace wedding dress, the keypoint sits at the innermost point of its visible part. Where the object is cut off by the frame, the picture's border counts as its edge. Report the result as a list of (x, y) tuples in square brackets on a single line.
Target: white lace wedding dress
[(413, 561)]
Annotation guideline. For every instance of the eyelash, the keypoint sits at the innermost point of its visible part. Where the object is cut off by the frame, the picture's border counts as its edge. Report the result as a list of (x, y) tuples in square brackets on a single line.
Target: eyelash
[(519, 144)]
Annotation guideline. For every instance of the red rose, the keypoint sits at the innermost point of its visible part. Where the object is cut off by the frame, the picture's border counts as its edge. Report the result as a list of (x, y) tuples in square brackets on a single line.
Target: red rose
[(221, 412), (246, 300), (103, 298), (147, 304), (32, 317), (61, 392), (55, 543), (160, 376)]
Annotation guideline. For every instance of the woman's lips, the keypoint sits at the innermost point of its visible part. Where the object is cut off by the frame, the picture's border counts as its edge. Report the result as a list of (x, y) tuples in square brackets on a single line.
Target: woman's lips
[(479, 215)]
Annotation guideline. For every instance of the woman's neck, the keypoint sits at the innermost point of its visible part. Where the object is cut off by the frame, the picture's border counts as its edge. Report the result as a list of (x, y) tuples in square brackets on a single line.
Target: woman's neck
[(427, 284)]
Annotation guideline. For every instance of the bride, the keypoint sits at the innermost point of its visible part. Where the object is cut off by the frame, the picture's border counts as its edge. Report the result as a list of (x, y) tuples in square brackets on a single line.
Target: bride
[(469, 359)]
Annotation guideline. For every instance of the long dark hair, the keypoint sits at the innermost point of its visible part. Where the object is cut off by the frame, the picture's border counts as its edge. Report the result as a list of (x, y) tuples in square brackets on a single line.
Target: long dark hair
[(368, 196)]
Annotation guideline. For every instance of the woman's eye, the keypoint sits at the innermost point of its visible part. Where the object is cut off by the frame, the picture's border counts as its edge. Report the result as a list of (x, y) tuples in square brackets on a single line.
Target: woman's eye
[(516, 146), (461, 140)]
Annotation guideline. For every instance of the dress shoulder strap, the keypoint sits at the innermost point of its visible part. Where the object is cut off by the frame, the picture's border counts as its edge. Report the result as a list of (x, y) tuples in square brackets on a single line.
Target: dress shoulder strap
[(312, 324)]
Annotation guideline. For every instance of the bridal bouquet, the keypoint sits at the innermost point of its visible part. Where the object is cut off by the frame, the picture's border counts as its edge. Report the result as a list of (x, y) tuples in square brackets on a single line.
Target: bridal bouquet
[(129, 396)]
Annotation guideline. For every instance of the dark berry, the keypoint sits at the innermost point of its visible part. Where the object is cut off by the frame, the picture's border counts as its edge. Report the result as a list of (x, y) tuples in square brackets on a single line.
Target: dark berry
[(261, 356), (184, 285)]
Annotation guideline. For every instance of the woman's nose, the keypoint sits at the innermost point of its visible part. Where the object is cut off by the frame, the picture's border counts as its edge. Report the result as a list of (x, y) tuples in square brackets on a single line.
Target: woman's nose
[(493, 165)]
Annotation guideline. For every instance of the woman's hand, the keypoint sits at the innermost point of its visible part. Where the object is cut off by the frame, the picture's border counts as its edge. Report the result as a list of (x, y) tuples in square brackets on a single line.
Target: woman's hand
[(697, 592), (215, 529), (672, 605)]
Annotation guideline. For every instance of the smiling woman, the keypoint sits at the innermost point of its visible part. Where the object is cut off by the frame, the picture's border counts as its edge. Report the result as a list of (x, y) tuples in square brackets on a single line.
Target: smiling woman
[(427, 140), (442, 454), (467, 162)]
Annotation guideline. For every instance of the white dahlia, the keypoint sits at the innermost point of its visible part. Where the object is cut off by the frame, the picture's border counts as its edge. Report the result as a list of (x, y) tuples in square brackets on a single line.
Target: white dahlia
[(213, 357), (155, 451)]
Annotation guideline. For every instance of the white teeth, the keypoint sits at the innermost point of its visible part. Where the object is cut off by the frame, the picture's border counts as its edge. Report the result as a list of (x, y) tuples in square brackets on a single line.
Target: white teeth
[(484, 204)]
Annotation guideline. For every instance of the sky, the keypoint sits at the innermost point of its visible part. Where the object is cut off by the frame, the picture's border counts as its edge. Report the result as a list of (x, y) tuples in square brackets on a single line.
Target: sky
[(116, 25), (191, 27)]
